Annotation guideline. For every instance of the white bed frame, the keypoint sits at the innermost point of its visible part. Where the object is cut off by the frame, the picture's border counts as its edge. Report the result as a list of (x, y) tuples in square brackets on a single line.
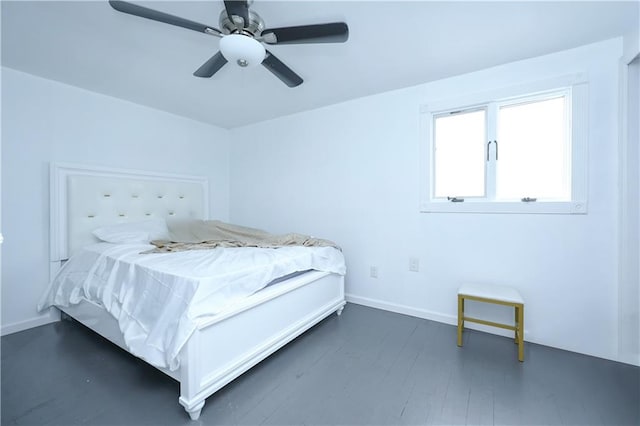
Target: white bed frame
[(83, 198)]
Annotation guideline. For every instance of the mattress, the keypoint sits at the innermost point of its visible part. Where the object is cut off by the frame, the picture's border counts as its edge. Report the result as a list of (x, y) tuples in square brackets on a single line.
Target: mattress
[(159, 299)]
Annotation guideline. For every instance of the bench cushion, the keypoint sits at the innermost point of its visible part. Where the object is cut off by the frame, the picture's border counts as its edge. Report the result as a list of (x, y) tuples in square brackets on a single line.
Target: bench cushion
[(490, 291)]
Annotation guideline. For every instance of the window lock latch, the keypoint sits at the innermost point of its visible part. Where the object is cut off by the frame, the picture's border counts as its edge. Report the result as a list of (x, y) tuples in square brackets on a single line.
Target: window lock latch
[(528, 200), (455, 199)]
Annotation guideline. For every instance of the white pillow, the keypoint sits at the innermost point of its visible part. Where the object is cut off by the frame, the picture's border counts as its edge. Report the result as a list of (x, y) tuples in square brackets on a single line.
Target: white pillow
[(133, 232)]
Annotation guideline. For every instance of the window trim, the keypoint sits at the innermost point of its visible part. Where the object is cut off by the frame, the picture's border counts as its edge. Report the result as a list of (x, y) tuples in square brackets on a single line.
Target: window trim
[(577, 84)]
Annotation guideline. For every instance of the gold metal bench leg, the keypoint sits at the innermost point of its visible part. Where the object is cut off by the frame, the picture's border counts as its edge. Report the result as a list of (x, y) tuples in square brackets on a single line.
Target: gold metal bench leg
[(460, 318), (515, 338), (520, 332), (518, 328)]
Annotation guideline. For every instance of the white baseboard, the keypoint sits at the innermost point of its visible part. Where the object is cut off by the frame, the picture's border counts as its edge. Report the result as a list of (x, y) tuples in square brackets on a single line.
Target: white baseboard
[(629, 358), (52, 316), (426, 314), (402, 309)]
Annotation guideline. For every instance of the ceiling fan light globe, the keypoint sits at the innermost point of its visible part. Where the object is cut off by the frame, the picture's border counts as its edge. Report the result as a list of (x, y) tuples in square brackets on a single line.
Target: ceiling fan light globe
[(242, 50)]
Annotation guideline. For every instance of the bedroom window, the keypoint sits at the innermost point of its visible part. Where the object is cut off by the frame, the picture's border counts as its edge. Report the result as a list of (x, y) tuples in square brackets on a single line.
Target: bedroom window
[(519, 150)]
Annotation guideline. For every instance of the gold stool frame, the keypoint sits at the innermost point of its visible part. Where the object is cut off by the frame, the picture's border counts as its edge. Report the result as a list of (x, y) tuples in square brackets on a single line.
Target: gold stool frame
[(518, 328)]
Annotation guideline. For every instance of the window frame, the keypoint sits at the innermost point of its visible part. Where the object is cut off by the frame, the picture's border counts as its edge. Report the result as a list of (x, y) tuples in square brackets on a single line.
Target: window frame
[(576, 85)]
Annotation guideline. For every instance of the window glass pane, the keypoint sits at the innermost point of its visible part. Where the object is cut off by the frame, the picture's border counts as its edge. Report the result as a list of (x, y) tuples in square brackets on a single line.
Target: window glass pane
[(459, 162), (533, 152)]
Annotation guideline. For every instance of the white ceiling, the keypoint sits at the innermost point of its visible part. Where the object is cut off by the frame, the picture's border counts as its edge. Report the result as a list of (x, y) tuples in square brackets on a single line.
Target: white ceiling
[(392, 44)]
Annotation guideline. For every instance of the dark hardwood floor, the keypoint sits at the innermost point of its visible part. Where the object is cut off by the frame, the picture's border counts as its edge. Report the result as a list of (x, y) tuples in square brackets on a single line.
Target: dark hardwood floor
[(367, 367)]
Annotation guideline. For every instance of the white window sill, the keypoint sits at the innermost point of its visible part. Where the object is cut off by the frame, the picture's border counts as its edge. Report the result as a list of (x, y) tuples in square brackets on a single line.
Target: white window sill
[(538, 207)]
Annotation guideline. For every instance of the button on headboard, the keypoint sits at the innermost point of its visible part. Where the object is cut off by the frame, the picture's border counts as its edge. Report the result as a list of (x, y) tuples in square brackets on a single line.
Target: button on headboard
[(85, 198)]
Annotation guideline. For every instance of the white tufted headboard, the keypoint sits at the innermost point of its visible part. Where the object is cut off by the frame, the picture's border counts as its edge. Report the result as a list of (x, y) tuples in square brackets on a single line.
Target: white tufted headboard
[(84, 198)]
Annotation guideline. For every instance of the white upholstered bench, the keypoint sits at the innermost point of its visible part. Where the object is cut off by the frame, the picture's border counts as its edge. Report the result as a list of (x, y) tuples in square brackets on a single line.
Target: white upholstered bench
[(500, 295)]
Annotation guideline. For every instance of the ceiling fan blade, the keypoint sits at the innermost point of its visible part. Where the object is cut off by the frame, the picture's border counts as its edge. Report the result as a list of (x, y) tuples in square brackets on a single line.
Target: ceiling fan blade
[(239, 8), (144, 12), (335, 32), (211, 67), (281, 71)]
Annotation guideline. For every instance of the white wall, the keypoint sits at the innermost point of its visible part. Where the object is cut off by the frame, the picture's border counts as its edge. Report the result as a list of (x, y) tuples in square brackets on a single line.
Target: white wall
[(349, 172), (44, 121), (629, 214)]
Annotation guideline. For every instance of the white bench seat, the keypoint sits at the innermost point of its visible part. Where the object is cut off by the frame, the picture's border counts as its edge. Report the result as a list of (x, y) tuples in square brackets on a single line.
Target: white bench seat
[(495, 292)]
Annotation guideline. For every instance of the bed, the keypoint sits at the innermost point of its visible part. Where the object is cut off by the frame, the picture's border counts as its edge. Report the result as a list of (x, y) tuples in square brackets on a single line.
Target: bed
[(221, 346)]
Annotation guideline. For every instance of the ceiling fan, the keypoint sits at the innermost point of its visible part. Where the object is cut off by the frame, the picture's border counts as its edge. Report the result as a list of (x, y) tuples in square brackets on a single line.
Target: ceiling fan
[(242, 36)]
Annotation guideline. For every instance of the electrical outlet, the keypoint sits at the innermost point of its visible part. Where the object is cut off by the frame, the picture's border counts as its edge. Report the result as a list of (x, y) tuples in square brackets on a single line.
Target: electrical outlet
[(373, 272), (414, 264)]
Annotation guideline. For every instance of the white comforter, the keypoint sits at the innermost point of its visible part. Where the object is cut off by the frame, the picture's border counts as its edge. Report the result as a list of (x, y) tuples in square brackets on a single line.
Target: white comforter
[(158, 299)]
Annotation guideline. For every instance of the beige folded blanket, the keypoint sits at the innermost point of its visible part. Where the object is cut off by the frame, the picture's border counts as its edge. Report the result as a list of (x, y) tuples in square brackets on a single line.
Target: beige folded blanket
[(209, 234)]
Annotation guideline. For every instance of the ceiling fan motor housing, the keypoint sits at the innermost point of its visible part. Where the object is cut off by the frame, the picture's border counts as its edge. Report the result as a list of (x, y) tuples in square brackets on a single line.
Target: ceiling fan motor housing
[(254, 27)]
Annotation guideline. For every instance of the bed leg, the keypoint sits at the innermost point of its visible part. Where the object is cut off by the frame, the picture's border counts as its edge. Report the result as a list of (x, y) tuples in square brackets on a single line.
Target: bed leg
[(193, 410), (339, 311)]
